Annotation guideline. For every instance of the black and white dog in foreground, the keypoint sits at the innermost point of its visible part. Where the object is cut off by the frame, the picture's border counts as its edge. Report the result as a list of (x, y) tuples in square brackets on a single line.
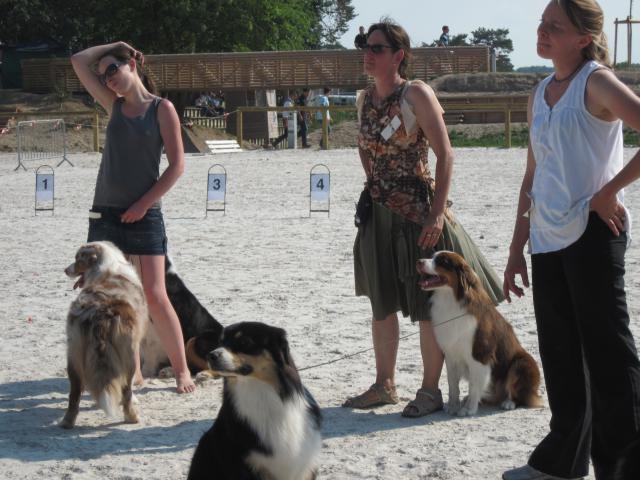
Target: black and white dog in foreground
[(268, 427), (201, 331)]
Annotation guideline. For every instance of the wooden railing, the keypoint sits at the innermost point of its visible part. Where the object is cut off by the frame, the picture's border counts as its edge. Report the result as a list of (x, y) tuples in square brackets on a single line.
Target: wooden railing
[(194, 114), (506, 108), (261, 70)]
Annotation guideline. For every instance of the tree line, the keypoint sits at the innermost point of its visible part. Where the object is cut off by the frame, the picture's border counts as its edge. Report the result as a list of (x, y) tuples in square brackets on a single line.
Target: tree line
[(178, 26)]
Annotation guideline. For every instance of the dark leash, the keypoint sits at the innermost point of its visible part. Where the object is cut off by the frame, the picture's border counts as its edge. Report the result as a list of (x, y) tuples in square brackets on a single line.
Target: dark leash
[(344, 357)]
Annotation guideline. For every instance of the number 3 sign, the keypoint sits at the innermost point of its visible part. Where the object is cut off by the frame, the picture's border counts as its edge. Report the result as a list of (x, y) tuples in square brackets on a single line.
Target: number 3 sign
[(216, 190)]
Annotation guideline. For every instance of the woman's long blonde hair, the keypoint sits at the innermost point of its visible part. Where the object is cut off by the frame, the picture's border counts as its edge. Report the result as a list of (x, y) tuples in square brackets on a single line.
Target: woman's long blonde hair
[(588, 18)]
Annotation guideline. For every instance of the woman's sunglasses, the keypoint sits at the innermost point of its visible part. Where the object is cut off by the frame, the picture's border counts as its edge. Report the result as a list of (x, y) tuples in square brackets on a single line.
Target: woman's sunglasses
[(376, 48), (109, 72)]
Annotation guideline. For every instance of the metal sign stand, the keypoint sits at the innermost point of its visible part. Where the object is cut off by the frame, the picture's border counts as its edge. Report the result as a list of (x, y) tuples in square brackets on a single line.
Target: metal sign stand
[(45, 185), (319, 188), (216, 190)]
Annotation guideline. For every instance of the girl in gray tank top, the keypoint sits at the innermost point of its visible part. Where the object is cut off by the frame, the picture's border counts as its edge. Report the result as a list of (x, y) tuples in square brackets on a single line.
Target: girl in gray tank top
[(129, 188)]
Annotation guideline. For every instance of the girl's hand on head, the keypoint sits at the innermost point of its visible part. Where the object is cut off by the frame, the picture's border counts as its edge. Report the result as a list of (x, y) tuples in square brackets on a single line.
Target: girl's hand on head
[(135, 54)]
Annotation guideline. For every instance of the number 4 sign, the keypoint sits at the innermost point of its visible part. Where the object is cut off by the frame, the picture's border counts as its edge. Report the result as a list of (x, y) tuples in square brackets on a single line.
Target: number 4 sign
[(319, 189)]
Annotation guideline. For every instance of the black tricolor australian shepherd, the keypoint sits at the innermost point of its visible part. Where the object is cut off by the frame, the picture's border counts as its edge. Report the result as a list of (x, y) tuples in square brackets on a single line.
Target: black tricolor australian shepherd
[(268, 427), (478, 343), (201, 331)]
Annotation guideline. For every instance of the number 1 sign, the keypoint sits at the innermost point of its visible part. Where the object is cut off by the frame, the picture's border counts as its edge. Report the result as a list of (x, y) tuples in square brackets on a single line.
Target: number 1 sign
[(319, 189), (44, 189)]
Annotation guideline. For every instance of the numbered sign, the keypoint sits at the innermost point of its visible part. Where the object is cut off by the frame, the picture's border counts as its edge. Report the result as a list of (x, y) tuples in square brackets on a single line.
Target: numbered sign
[(217, 186), (216, 189), (44, 187), (45, 184), (320, 184), (319, 189)]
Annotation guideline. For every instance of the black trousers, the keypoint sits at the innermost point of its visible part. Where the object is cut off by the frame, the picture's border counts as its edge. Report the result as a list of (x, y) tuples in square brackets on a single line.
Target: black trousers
[(590, 362)]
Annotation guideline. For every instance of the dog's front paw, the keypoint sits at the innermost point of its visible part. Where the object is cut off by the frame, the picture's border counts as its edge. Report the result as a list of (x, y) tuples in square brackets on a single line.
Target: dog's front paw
[(166, 372), (205, 376), (468, 409), (66, 424), (508, 404), (452, 407)]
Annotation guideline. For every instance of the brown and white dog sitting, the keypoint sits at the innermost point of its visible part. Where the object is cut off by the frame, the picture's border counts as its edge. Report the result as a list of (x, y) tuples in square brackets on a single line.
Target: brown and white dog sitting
[(477, 341), (104, 327)]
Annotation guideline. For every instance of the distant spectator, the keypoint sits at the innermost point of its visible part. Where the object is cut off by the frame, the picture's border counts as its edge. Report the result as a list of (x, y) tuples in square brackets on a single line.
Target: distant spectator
[(444, 38), (285, 122), (360, 41), (323, 101), (303, 116)]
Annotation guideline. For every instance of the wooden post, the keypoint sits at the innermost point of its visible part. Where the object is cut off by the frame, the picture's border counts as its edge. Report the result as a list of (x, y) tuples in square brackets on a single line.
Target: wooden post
[(96, 125), (325, 128), (629, 25), (615, 44), (507, 127), (239, 127)]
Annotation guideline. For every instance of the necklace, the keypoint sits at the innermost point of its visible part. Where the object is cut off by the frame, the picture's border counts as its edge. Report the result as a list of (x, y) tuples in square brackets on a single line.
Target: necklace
[(568, 77)]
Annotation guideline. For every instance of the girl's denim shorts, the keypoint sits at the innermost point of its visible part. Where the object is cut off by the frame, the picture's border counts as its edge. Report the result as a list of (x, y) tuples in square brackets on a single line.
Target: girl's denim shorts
[(147, 236)]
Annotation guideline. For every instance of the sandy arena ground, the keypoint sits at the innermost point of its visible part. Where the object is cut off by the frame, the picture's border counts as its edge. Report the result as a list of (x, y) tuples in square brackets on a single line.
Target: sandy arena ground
[(265, 260)]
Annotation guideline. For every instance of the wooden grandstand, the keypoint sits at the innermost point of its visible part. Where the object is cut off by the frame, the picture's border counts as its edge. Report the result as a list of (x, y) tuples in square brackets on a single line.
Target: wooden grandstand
[(261, 70)]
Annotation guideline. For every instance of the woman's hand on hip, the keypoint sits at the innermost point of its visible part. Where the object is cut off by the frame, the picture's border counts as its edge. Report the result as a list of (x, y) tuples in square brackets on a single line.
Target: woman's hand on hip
[(134, 213), (516, 265), (431, 231), (610, 210)]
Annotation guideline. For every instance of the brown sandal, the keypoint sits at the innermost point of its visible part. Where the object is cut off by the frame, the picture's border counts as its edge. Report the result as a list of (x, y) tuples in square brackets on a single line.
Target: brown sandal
[(376, 396), (427, 401)]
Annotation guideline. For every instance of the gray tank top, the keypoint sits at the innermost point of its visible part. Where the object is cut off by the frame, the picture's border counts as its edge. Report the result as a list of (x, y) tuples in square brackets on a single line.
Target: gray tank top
[(130, 163)]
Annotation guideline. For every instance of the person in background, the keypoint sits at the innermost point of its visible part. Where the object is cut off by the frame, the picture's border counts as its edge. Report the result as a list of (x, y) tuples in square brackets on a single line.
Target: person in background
[(360, 41), (444, 38), (571, 212), (285, 122), (323, 101), (303, 117)]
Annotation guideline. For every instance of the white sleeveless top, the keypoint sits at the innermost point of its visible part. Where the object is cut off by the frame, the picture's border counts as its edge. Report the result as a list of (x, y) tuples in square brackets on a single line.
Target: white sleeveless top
[(576, 154)]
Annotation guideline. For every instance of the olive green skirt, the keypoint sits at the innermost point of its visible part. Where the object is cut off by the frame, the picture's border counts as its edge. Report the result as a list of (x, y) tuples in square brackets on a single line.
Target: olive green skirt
[(385, 253)]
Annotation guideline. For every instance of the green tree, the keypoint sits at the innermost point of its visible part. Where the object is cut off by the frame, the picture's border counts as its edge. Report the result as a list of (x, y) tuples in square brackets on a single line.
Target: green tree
[(179, 26), (498, 40), (459, 40)]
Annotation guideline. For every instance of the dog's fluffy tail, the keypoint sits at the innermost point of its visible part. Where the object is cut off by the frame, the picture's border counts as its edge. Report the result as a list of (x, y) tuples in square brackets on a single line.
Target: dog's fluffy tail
[(109, 399), (523, 381), (110, 365)]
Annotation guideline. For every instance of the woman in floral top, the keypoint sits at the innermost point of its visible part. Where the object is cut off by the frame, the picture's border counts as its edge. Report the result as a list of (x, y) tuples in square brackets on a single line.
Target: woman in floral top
[(410, 217)]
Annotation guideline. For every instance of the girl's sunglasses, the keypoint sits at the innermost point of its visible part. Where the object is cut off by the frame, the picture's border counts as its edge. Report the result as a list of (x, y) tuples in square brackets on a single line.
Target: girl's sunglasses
[(109, 72), (376, 48)]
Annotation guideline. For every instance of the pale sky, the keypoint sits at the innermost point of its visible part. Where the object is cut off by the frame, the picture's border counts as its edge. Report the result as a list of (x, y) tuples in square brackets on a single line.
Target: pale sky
[(423, 20)]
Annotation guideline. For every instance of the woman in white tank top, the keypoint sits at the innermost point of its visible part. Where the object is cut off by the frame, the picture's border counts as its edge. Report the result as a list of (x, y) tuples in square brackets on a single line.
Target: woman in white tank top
[(571, 212)]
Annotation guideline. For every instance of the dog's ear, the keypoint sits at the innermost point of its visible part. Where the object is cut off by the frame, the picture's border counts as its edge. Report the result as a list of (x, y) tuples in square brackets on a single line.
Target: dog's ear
[(466, 279), (282, 355)]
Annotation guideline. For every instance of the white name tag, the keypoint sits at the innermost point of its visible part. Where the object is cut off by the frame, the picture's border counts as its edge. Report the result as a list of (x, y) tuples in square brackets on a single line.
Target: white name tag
[(390, 129)]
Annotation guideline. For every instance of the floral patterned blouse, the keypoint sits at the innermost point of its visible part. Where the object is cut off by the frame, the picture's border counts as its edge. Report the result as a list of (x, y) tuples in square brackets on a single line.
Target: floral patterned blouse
[(399, 176)]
